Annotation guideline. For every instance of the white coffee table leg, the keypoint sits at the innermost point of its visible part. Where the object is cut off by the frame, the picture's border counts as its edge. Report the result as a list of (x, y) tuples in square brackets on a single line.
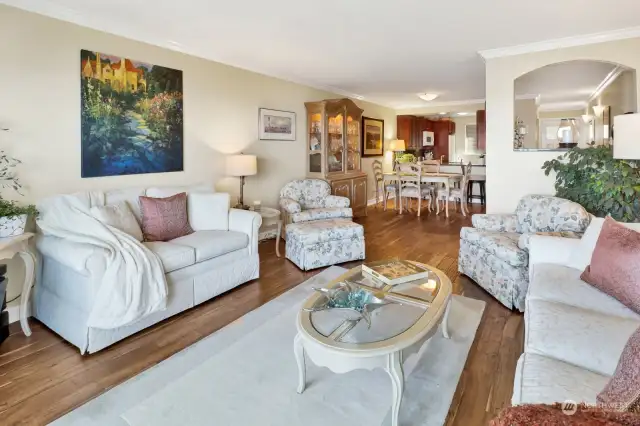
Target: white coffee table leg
[(30, 266), (394, 369), (298, 350), (279, 233), (445, 320)]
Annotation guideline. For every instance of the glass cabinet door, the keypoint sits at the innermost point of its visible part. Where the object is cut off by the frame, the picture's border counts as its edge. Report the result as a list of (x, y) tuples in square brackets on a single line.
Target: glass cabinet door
[(315, 143), (335, 151), (353, 144)]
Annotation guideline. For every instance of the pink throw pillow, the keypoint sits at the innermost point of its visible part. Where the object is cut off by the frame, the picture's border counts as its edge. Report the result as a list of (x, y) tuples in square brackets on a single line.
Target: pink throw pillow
[(622, 393), (164, 219), (615, 264)]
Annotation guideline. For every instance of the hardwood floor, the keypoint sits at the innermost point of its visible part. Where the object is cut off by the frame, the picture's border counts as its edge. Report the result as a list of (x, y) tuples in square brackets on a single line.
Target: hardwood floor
[(42, 377)]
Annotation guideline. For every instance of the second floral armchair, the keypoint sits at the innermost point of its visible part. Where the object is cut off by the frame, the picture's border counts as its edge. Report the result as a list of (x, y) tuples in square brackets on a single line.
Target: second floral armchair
[(306, 200), (495, 251)]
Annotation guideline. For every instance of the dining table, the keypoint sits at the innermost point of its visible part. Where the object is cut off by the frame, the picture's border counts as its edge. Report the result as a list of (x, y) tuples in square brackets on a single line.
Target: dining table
[(444, 178)]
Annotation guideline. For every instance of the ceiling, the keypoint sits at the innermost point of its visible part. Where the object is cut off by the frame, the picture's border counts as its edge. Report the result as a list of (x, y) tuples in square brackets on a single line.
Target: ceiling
[(385, 51), (567, 85)]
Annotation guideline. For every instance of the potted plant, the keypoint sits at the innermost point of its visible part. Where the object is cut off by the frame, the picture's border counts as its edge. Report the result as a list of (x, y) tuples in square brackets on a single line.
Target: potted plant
[(13, 217)]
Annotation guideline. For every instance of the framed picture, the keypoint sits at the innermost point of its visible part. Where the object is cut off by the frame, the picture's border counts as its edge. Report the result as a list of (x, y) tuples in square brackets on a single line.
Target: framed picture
[(372, 137), (427, 138), (131, 116), (277, 125)]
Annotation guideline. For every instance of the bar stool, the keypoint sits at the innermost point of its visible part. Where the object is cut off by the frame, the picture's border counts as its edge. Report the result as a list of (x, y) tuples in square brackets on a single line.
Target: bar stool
[(480, 180)]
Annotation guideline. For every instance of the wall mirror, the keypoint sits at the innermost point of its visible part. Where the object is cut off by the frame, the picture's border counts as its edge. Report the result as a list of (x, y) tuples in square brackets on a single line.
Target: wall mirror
[(569, 104)]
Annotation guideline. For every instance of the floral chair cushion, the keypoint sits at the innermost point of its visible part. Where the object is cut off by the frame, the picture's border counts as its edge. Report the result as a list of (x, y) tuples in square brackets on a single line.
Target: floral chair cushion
[(321, 214), (503, 245), (309, 233), (309, 193), (542, 213), (525, 239), (495, 222)]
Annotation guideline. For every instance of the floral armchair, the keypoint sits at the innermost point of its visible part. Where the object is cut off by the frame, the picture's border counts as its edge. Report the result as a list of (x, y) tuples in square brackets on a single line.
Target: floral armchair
[(306, 200), (494, 253)]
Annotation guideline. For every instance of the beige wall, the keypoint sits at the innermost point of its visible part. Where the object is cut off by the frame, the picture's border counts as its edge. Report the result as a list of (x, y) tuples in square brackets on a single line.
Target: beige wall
[(560, 114), (619, 95), (428, 110), (40, 102), (510, 175), (527, 111)]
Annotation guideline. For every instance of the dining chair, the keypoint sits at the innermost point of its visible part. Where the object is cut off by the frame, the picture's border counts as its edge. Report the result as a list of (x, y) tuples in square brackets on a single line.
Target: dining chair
[(430, 166), (381, 186), (458, 194), (409, 176)]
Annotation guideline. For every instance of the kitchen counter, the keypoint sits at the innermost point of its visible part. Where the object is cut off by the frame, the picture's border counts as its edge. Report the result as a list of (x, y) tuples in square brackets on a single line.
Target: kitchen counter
[(458, 164)]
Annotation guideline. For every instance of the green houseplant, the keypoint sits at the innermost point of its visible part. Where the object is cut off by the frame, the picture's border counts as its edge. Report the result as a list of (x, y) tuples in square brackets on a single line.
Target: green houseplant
[(597, 181), (13, 217)]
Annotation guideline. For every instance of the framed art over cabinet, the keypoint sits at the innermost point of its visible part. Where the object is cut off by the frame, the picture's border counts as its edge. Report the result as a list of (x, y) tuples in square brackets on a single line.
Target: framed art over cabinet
[(372, 137), (275, 125)]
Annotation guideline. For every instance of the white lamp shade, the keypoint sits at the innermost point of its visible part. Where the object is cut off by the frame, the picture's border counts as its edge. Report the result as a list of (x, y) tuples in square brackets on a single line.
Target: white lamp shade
[(626, 143), (397, 145), (242, 165), (598, 110)]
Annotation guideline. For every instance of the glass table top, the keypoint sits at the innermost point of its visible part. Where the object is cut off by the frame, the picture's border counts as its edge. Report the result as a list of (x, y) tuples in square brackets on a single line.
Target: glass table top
[(392, 310)]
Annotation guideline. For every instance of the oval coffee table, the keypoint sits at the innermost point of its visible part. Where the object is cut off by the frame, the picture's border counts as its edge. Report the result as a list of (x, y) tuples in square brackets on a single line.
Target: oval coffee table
[(395, 339)]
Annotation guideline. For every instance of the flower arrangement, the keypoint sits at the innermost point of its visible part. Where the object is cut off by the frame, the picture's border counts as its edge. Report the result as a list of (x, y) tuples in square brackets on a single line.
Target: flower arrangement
[(13, 217)]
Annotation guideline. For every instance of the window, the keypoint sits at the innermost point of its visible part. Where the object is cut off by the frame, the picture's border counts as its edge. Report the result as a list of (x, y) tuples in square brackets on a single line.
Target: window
[(470, 139)]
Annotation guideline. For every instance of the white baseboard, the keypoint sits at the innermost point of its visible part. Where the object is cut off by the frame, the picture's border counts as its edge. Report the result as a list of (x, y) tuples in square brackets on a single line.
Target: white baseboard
[(14, 311)]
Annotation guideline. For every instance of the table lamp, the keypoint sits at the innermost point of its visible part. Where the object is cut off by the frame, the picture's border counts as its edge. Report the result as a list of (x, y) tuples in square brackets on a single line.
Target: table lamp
[(241, 165), (397, 146), (626, 141)]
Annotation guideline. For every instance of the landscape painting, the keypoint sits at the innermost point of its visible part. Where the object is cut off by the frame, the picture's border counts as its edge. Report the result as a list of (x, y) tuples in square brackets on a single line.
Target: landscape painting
[(132, 119), (277, 125), (372, 137)]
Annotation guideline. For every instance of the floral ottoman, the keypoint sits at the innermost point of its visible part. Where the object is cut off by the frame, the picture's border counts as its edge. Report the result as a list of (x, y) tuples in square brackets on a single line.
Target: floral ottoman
[(321, 243)]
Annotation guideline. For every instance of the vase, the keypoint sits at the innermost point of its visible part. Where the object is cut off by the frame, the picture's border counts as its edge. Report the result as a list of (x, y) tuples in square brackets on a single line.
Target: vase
[(11, 226)]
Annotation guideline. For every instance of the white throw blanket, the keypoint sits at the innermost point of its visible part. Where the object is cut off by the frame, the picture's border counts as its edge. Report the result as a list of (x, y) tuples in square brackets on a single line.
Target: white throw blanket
[(133, 285)]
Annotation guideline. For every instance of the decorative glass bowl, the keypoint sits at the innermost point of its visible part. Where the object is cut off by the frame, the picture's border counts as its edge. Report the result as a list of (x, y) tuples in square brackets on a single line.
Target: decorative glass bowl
[(352, 297)]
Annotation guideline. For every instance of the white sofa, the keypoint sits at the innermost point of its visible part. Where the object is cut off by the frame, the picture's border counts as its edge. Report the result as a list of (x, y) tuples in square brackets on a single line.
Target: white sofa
[(198, 267), (574, 334)]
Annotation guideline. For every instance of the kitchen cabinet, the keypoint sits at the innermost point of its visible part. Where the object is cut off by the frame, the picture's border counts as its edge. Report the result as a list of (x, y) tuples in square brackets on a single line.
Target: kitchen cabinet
[(481, 128), (410, 128)]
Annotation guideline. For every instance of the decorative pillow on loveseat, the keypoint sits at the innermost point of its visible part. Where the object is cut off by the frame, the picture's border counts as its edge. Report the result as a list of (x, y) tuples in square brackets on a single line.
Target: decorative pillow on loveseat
[(615, 264), (165, 219), (119, 216), (622, 393)]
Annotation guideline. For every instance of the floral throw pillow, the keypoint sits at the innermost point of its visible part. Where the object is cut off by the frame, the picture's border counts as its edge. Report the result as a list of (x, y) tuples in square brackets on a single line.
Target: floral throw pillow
[(164, 219), (622, 393)]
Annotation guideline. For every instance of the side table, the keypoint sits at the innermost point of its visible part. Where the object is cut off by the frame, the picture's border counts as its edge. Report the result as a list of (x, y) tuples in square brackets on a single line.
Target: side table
[(19, 245), (271, 226)]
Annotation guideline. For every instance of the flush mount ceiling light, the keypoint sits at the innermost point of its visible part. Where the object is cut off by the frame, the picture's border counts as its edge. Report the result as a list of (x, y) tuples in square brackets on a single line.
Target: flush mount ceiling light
[(463, 113), (427, 96), (443, 113)]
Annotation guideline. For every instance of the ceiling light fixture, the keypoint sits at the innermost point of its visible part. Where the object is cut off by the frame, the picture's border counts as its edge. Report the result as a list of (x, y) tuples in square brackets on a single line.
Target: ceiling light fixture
[(427, 96), (443, 113), (463, 113)]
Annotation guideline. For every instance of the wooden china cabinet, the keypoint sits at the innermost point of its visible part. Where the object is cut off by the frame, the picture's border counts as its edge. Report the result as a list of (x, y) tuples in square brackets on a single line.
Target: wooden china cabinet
[(333, 144)]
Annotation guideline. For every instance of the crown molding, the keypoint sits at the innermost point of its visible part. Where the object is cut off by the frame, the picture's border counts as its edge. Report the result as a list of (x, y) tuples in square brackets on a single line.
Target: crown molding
[(560, 43), (51, 10), (608, 81)]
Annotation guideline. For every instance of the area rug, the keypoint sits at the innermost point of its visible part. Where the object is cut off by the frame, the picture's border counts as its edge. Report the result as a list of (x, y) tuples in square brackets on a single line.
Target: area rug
[(245, 375)]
